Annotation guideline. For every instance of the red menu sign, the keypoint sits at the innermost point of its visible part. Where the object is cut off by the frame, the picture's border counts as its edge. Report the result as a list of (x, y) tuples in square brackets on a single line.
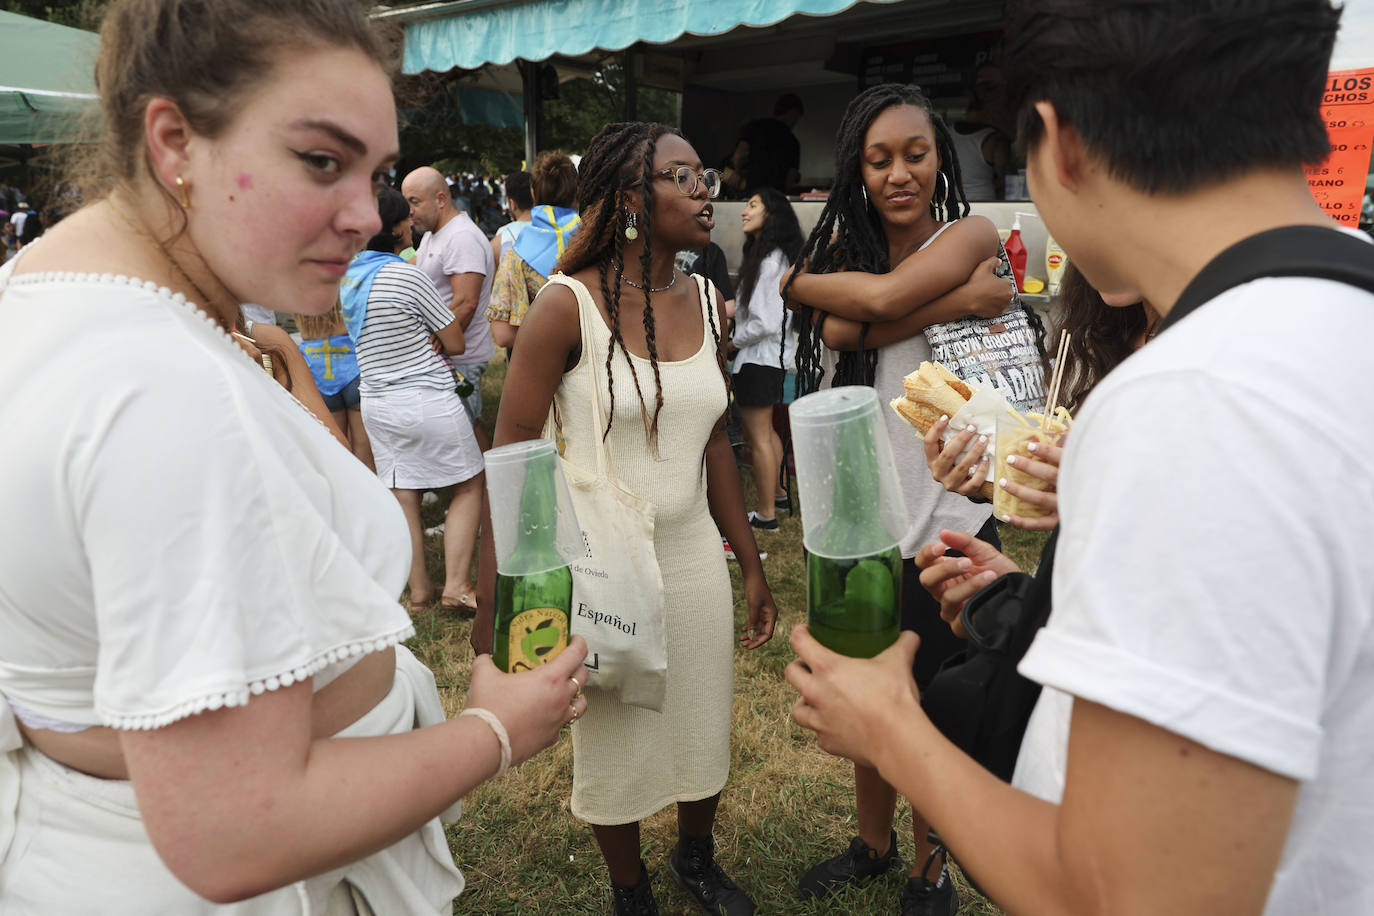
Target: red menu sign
[(1348, 108)]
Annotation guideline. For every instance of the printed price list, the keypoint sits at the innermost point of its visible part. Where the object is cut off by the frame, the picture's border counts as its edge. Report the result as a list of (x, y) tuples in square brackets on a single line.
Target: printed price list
[(1348, 110)]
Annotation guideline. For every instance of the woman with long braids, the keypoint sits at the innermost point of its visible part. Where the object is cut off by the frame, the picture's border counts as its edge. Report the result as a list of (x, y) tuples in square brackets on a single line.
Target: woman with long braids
[(660, 356), (902, 256), (767, 344)]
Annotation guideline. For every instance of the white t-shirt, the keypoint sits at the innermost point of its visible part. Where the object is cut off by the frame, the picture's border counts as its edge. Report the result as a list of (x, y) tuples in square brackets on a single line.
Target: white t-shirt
[(1214, 574), (758, 321), (461, 248), (509, 233)]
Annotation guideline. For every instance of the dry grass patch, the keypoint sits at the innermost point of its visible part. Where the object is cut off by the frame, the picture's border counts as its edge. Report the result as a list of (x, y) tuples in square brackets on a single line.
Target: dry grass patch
[(787, 804)]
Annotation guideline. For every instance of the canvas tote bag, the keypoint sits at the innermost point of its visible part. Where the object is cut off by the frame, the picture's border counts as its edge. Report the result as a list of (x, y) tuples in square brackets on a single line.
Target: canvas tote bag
[(617, 587)]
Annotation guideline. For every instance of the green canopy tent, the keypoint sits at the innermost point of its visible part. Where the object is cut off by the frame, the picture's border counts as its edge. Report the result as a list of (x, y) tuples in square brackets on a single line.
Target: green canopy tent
[(47, 82)]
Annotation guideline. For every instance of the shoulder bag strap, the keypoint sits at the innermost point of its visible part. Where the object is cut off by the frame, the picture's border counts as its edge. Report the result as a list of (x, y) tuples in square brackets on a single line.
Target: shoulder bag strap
[(1290, 251), (586, 308)]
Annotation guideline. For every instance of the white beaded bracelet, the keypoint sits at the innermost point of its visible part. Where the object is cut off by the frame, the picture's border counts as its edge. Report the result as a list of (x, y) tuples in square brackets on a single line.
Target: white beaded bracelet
[(489, 717)]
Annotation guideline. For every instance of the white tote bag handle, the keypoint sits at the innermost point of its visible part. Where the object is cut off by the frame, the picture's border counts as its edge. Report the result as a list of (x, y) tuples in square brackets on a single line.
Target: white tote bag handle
[(617, 586)]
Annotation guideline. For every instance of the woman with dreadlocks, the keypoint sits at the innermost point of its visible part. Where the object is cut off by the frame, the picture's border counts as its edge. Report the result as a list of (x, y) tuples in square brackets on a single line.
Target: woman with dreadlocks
[(658, 352), (892, 227)]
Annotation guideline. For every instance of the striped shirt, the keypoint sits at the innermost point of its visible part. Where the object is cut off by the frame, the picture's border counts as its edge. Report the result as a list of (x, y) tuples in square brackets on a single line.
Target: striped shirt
[(403, 309)]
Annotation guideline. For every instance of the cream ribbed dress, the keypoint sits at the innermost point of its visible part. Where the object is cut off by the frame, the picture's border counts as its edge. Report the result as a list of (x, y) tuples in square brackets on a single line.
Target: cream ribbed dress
[(629, 762)]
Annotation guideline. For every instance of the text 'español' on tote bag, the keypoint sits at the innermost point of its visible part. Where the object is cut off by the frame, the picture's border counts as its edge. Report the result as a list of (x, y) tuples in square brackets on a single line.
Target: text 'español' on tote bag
[(617, 587)]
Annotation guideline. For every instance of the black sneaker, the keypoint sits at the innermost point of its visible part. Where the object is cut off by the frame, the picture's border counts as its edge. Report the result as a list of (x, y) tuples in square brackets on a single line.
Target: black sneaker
[(637, 900), (761, 523), (857, 863), (782, 502), (922, 898), (693, 866)]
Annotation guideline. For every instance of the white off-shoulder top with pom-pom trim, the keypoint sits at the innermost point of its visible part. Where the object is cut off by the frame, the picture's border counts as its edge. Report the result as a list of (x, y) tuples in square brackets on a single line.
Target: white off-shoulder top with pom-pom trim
[(178, 533)]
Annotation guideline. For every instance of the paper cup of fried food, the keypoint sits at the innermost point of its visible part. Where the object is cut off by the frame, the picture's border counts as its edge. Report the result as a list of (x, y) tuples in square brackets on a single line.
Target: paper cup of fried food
[(1015, 432)]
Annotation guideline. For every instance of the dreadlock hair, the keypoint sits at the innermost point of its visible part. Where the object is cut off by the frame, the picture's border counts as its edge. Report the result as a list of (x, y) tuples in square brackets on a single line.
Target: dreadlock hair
[(620, 158), (860, 244)]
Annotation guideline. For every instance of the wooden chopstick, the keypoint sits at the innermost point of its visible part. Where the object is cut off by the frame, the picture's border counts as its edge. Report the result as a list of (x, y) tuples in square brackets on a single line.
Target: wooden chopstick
[(1056, 378)]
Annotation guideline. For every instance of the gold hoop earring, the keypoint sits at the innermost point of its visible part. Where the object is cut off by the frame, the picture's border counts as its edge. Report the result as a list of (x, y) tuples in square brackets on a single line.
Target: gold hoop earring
[(185, 195)]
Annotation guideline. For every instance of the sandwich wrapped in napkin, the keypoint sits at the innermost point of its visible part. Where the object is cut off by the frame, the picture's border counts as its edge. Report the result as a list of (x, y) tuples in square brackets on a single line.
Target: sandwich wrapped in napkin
[(932, 391)]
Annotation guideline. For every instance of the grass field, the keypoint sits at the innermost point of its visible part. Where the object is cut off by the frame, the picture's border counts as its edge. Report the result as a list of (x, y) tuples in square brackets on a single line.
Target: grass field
[(787, 804)]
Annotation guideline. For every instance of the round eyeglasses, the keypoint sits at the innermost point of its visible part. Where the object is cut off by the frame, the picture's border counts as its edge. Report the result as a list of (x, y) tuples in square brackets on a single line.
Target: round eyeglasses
[(687, 180)]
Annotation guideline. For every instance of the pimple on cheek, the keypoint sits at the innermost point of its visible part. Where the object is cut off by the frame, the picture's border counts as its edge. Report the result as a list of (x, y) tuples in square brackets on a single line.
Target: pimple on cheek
[(245, 181)]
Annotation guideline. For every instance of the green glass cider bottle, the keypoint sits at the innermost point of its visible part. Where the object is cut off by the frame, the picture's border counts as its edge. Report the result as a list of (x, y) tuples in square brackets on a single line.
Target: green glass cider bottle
[(533, 608), (854, 576)]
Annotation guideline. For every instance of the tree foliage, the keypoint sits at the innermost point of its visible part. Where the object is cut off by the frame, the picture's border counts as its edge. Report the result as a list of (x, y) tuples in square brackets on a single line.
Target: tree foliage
[(433, 133), (79, 14), (431, 128)]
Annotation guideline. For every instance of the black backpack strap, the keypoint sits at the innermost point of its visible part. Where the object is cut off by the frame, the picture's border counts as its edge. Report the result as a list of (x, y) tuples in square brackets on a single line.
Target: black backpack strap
[(1290, 251)]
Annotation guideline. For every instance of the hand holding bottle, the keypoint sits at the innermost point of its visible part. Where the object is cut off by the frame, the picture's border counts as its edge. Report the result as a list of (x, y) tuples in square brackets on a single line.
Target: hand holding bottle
[(533, 705), (854, 705)]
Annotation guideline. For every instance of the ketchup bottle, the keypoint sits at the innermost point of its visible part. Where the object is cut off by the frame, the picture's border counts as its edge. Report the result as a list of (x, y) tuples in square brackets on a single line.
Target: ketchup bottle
[(1016, 253)]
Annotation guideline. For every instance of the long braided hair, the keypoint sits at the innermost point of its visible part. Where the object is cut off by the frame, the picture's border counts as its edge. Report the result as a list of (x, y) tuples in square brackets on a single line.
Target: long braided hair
[(621, 158), (859, 241)]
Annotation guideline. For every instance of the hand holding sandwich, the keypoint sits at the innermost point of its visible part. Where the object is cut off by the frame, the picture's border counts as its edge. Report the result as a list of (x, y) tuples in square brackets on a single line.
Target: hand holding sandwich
[(961, 464)]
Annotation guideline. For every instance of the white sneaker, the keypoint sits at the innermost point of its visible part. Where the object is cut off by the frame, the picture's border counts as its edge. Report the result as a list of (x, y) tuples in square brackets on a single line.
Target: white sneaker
[(730, 551)]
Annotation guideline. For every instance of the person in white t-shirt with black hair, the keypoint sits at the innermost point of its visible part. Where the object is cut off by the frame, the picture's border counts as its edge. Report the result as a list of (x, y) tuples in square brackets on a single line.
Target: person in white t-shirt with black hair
[(1207, 742)]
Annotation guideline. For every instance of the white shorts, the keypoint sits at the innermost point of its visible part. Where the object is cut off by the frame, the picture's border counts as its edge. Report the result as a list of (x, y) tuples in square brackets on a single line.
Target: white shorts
[(421, 438)]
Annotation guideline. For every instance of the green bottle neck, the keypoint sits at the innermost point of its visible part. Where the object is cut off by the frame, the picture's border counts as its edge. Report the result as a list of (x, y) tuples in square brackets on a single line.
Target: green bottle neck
[(856, 507), (536, 543)]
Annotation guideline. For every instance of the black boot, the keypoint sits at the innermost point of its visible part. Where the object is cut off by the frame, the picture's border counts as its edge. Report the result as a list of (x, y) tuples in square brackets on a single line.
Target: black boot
[(636, 900), (693, 866)]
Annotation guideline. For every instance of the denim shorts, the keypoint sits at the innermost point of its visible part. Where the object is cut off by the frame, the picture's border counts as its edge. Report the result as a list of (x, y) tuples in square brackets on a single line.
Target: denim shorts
[(472, 402), (347, 399)]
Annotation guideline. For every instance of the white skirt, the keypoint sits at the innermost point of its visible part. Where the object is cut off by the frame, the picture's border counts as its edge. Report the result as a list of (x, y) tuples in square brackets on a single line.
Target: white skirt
[(421, 438)]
